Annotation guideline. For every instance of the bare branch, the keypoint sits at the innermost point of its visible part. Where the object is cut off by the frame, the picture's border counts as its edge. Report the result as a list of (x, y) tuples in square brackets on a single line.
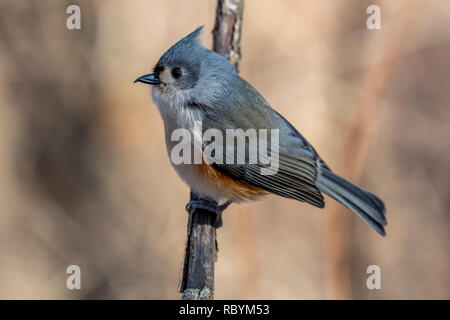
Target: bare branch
[(197, 279), (227, 30)]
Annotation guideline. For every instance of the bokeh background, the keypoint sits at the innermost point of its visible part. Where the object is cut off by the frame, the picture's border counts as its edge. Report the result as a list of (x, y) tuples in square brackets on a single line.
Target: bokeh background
[(85, 179)]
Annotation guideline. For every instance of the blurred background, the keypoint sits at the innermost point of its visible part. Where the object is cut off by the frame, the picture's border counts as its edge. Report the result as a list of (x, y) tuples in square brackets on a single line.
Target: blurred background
[(85, 178)]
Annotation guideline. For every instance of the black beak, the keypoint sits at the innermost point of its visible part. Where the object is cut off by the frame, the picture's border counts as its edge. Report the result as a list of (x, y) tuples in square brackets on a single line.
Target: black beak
[(151, 78)]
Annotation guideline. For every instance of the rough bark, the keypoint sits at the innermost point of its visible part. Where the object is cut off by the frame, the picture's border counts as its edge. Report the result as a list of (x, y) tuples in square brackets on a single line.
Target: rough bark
[(197, 279)]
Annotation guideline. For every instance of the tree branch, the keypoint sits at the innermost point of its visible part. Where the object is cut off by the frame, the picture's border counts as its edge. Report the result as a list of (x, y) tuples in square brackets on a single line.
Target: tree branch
[(227, 30), (197, 278)]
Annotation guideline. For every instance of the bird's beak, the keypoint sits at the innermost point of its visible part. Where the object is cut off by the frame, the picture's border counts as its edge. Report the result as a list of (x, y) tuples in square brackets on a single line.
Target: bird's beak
[(151, 78)]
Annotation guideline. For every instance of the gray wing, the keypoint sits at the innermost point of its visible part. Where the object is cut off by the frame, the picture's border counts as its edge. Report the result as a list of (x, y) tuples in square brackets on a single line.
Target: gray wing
[(298, 161), (295, 178)]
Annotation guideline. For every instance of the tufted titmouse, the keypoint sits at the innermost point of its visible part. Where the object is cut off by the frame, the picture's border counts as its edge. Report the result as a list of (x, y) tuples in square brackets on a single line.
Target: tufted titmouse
[(192, 84)]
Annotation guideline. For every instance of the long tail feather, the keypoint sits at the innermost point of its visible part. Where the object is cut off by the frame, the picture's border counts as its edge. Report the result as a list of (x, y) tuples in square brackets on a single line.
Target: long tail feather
[(365, 204)]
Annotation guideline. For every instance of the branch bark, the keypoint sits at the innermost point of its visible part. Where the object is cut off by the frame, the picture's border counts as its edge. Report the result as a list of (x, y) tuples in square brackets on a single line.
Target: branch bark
[(227, 30), (197, 278)]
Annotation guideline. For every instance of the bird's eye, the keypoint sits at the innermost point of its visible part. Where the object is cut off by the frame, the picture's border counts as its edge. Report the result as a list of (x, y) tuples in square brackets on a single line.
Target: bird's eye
[(176, 73)]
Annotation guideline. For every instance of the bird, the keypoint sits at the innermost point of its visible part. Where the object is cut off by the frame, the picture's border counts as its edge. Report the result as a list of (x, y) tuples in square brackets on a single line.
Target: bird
[(192, 84)]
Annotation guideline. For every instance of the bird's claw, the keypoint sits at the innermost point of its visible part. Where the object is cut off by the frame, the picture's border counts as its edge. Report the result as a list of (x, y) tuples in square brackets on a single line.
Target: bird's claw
[(211, 206)]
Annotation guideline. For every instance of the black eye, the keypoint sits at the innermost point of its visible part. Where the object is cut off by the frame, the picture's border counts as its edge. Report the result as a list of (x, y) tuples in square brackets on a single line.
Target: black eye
[(176, 73)]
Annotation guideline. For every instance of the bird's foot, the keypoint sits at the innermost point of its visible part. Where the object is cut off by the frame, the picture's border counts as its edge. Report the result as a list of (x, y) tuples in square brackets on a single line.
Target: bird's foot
[(211, 206)]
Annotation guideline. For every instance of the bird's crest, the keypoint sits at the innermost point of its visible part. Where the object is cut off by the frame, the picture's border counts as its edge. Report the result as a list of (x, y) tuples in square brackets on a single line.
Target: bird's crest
[(183, 48)]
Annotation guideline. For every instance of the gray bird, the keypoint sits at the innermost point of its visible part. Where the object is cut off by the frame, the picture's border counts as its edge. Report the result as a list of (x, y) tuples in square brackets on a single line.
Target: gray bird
[(192, 84)]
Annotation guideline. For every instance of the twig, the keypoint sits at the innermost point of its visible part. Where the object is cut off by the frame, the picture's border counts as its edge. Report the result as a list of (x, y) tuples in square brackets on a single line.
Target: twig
[(197, 279)]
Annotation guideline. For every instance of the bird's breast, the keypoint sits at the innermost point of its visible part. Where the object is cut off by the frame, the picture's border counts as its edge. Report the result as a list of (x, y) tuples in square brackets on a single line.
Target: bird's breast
[(207, 181)]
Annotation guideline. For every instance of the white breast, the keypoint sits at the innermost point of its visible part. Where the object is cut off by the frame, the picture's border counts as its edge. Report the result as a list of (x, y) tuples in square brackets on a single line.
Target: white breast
[(176, 116)]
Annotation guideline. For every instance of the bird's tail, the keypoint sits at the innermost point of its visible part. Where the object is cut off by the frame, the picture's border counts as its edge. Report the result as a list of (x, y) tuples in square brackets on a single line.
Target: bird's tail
[(365, 204)]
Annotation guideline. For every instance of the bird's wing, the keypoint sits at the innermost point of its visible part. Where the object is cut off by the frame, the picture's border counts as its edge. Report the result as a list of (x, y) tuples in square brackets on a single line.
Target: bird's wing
[(295, 178), (298, 161)]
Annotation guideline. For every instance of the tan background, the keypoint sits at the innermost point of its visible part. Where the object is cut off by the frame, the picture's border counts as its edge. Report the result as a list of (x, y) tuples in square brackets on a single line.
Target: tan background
[(85, 179)]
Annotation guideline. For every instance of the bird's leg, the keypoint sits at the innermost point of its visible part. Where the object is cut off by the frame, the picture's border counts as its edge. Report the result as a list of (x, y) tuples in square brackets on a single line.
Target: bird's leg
[(210, 205)]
